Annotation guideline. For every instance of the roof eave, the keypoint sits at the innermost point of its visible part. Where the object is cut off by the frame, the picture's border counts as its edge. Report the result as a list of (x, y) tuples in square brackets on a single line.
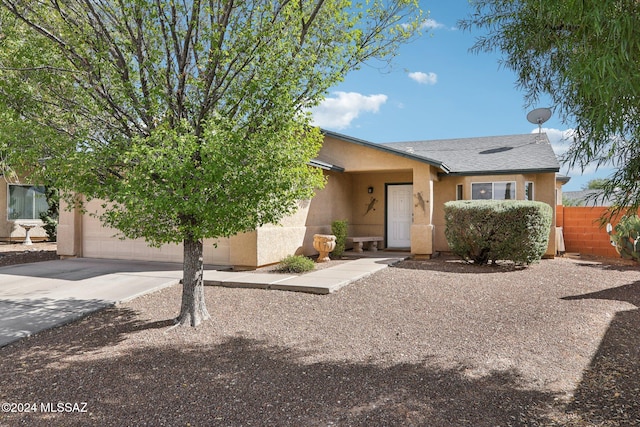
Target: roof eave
[(325, 166)]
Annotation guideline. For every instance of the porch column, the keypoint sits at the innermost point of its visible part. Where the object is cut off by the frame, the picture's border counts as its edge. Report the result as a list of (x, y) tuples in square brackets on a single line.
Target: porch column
[(422, 227)]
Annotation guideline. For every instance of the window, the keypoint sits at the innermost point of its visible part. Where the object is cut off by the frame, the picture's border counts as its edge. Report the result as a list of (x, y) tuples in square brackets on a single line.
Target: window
[(26, 202), (459, 194), (482, 191), (528, 190), (493, 190)]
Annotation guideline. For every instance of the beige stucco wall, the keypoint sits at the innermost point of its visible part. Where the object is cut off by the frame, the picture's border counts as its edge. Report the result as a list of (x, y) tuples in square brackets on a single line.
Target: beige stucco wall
[(10, 229), (559, 185), (368, 218), (331, 203), (445, 191), (69, 230), (358, 158), (546, 192), (272, 242), (84, 236)]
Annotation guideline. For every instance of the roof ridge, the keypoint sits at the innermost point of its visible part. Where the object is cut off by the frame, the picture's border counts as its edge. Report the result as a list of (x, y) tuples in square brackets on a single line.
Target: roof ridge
[(463, 138)]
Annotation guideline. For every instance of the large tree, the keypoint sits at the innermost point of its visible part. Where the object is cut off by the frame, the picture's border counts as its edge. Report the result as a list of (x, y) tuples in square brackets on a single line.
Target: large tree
[(585, 55), (189, 118)]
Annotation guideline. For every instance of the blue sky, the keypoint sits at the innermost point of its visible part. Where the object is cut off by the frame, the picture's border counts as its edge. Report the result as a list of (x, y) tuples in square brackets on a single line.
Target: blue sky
[(437, 89)]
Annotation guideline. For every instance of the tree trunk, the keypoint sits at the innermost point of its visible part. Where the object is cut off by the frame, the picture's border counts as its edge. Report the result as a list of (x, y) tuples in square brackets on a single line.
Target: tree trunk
[(193, 309)]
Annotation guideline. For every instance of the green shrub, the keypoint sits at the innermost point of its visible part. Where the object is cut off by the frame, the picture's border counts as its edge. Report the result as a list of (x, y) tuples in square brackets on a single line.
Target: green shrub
[(627, 237), (296, 264), (339, 229), (50, 217), (491, 230), (50, 225)]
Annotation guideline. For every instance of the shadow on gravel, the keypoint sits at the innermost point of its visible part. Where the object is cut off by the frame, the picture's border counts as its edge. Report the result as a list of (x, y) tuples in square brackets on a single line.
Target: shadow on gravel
[(246, 382), (610, 266), (448, 264), (610, 388), (90, 333)]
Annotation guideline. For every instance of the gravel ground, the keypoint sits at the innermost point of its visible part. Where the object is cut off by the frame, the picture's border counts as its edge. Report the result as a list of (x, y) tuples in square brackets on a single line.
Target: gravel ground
[(425, 343)]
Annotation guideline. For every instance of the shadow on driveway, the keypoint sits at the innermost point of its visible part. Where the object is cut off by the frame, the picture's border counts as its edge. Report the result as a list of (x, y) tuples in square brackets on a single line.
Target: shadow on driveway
[(77, 269), (23, 318), (39, 296)]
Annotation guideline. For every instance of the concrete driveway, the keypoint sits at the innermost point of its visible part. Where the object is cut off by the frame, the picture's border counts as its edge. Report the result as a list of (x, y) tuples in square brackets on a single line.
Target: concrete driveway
[(39, 296)]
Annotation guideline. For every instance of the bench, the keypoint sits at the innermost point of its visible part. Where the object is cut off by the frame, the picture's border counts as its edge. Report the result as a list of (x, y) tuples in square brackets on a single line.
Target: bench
[(359, 241)]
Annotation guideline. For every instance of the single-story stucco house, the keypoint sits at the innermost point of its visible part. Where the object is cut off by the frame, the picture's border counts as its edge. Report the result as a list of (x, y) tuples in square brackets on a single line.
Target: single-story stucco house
[(395, 191)]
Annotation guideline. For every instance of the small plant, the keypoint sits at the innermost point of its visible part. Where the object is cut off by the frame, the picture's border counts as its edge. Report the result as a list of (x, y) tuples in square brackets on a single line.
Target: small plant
[(339, 229), (296, 264), (626, 237)]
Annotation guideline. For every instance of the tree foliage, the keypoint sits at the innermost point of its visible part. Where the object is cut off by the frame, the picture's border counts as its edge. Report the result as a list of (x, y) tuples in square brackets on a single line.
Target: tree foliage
[(188, 117), (595, 184), (585, 55)]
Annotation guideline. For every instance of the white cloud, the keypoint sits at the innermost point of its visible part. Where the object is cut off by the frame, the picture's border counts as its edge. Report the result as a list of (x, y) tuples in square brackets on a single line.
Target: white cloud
[(340, 109), (431, 24), (424, 78), (561, 140)]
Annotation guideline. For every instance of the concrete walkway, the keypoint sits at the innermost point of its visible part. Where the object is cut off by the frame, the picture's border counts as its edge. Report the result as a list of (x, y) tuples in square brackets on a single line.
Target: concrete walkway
[(42, 295), (323, 281)]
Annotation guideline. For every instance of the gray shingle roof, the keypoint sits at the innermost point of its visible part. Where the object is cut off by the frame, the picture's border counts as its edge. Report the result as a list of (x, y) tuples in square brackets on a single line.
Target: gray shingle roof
[(530, 152)]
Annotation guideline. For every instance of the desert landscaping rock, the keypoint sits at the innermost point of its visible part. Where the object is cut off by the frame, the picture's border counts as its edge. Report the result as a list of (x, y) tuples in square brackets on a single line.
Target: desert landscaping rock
[(17, 253), (423, 343)]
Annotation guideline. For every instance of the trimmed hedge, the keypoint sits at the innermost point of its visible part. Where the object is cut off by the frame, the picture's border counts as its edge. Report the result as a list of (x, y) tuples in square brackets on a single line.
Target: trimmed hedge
[(485, 231)]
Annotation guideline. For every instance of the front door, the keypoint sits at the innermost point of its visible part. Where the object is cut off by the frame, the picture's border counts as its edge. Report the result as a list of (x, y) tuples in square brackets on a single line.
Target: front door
[(399, 215)]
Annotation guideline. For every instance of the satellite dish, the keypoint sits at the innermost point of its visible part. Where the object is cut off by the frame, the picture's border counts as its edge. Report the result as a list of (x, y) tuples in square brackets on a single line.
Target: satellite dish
[(539, 116)]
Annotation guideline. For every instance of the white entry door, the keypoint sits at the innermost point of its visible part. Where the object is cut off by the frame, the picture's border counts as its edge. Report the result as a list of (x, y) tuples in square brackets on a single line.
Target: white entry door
[(399, 215)]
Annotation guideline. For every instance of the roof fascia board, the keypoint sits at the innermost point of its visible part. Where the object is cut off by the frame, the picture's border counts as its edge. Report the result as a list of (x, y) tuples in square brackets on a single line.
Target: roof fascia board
[(504, 172)]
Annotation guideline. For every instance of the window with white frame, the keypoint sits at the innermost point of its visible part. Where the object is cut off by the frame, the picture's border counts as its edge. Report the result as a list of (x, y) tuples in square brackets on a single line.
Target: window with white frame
[(26, 202), (528, 190), (505, 190)]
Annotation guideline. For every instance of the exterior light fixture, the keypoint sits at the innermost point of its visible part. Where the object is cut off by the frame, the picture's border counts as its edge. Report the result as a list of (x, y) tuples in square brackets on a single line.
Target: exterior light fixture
[(370, 190)]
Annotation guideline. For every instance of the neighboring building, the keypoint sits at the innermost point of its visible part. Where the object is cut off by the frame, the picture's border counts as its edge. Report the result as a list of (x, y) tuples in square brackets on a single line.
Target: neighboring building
[(586, 198), (396, 191), (23, 205)]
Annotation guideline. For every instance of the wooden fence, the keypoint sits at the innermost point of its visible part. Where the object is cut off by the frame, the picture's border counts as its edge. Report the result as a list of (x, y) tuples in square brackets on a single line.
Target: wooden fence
[(582, 230)]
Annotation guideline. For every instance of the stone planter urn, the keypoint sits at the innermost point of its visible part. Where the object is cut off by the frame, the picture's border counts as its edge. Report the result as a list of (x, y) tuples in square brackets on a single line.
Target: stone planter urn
[(324, 243)]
